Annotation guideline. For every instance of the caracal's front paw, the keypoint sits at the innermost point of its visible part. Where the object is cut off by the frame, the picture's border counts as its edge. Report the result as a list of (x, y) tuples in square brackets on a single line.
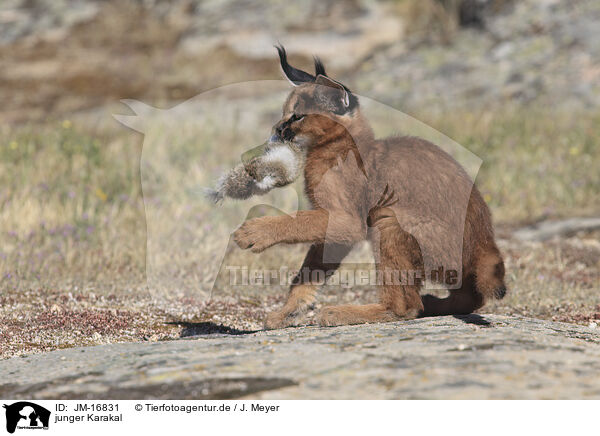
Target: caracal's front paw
[(255, 234)]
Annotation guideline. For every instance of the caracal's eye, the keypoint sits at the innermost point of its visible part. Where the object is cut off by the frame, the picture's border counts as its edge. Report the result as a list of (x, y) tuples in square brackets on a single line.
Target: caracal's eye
[(297, 117)]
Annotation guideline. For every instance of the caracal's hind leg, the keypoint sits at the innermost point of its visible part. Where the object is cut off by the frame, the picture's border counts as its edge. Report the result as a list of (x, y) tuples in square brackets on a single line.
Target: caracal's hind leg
[(302, 292), (399, 255)]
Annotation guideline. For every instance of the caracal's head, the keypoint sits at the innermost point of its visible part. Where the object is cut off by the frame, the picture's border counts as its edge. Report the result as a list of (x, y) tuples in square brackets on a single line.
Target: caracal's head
[(318, 107)]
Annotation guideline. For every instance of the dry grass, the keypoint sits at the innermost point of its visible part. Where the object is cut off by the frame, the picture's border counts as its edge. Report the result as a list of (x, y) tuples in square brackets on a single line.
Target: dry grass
[(537, 163), (73, 228), (556, 280)]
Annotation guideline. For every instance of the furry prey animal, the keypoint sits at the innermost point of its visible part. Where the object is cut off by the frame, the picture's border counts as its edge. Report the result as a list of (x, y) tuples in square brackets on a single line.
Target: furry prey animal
[(272, 165), (412, 200)]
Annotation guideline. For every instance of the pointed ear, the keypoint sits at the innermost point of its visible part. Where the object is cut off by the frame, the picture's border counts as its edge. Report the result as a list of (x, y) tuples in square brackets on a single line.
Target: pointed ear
[(326, 81), (319, 67), (294, 75)]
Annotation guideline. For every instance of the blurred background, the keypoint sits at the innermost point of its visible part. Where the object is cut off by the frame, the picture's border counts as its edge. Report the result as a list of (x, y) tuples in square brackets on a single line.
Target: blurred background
[(515, 82)]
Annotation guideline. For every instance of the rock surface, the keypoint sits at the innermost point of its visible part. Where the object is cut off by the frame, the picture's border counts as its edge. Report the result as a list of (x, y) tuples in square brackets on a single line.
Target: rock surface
[(474, 356), (528, 51), (75, 55), (550, 229)]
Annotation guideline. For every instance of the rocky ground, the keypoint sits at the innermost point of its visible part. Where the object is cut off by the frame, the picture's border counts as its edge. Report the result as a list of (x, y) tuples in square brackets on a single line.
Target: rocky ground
[(468, 357)]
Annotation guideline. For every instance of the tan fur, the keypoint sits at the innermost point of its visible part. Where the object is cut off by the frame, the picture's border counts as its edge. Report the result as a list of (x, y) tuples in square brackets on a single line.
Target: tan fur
[(396, 192)]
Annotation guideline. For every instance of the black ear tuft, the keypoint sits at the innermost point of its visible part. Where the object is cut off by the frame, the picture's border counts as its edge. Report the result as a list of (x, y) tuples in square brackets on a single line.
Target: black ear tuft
[(294, 75), (319, 67)]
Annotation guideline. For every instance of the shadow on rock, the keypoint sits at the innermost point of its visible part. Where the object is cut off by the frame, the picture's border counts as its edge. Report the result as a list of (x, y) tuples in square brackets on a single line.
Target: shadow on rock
[(208, 328), (473, 318)]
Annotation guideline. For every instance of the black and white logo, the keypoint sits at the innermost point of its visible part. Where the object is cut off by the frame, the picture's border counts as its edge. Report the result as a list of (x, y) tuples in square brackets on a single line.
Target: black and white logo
[(26, 415)]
